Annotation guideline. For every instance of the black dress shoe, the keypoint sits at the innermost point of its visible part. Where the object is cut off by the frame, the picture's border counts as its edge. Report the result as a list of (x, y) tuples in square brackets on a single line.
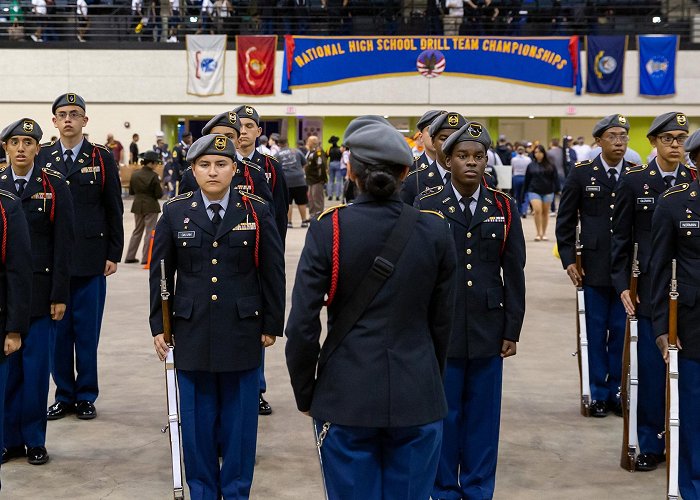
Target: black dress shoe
[(130, 261), (648, 461), (617, 408), (85, 410), (37, 455), (13, 452), (59, 410), (599, 409), (264, 407)]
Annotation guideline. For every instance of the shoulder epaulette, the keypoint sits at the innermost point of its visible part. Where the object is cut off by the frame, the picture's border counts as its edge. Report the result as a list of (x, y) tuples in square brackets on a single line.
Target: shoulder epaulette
[(8, 194), (3, 167), (53, 172), (419, 168), (583, 163), (691, 167), (253, 197), (48, 144), (251, 164), (636, 168), (329, 210), (430, 191), (270, 156), (678, 188), (101, 146), (434, 213), (179, 197), (499, 192)]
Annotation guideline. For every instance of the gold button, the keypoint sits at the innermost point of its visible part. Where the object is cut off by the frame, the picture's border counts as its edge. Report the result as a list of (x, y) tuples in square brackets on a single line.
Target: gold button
[(469, 266), (40, 209), (610, 218), (47, 269), (245, 243), (215, 244), (493, 235), (613, 195), (645, 207), (214, 279), (257, 313), (68, 182), (612, 206), (469, 235), (469, 283), (214, 261), (688, 233), (184, 243), (214, 297), (92, 182), (469, 251), (592, 195)]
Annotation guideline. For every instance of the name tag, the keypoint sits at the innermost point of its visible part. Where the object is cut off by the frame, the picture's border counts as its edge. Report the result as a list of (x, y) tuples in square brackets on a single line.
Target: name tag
[(181, 235), (42, 196), (690, 224), (89, 170), (245, 226), (590, 189), (646, 201)]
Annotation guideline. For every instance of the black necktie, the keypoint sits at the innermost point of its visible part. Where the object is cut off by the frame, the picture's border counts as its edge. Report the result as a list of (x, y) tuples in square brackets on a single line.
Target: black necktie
[(215, 207), (69, 159), (20, 183), (668, 180), (467, 210), (612, 174)]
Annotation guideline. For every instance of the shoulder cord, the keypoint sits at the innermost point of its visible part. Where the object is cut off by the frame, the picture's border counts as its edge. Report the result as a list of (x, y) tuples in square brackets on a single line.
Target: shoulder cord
[(249, 204), (102, 165), (44, 182), (248, 178), (335, 259), (4, 233), (507, 215), (273, 173)]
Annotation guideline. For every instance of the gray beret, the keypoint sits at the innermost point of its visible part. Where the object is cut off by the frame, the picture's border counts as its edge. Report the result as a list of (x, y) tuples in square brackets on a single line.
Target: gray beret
[(373, 140), (150, 156), (450, 120), (212, 144), (248, 112), (668, 122), (472, 131), (428, 118), (67, 100), (610, 121), (693, 143), (23, 127), (226, 119)]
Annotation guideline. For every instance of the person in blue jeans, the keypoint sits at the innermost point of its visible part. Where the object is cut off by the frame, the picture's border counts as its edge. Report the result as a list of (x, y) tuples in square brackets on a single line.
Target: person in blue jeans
[(541, 183), (334, 188), (519, 164)]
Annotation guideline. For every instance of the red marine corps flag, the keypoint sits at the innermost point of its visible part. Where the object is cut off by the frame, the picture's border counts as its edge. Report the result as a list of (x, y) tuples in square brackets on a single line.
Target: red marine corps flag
[(256, 64)]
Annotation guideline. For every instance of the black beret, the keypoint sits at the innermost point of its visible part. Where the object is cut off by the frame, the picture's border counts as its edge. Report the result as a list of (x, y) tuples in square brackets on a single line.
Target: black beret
[(150, 156), (610, 121), (212, 144), (374, 140), (23, 127), (428, 118), (668, 122), (248, 112), (67, 100), (226, 119), (450, 120), (693, 143), (472, 131)]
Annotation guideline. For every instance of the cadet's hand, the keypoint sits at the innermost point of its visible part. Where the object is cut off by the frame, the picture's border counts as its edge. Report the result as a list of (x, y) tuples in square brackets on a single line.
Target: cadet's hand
[(662, 344), (508, 348), (13, 341), (267, 340), (110, 267), (57, 311), (572, 272), (162, 348), (627, 302)]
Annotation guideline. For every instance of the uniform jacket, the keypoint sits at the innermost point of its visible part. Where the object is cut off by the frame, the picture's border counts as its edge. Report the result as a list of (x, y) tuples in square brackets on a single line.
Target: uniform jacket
[(146, 188), (490, 282), (221, 303), (387, 370), (422, 176), (588, 196), (636, 198), (16, 271), (316, 168), (278, 186), (180, 163), (676, 235), (97, 205), (51, 241)]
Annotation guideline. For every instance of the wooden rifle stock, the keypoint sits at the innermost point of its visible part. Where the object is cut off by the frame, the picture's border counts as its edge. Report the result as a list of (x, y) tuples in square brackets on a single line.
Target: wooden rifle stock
[(672, 415), (629, 446), (165, 305)]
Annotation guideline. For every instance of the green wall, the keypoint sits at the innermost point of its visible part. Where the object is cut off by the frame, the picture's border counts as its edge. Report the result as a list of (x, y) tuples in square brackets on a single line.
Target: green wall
[(334, 125), (639, 125)]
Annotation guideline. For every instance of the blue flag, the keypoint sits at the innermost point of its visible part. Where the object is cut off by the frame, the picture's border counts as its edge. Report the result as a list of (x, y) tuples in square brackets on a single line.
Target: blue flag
[(606, 64), (657, 64)]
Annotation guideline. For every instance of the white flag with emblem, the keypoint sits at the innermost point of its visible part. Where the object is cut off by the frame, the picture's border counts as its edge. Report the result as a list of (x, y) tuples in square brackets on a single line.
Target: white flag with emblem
[(205, 64)]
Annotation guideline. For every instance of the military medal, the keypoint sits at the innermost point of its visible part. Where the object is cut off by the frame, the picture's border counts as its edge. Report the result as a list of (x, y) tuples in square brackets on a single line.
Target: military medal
[(187, 220), (646, 186), (451, 210)]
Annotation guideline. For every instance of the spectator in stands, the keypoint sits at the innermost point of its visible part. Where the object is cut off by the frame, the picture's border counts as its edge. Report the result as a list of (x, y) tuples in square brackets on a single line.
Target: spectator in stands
[(433, 14), (116, 147), (478, 14), (335, 182), (504, 150), (583, 150), (38, 19), (519, 164), (292, 162), (16, 29), (541, 183), (262, 145), (81, 11), (222, 11), (206, 14), (316, 170), (453, 19), (174, 21), (134, 149)]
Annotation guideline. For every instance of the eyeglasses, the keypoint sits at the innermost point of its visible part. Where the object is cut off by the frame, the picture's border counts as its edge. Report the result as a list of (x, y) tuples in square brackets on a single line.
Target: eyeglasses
[(667, 140), (615, 139), (74, 115)]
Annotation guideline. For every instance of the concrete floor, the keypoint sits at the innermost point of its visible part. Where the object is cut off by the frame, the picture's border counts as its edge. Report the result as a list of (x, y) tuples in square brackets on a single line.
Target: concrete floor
[(547, 450)]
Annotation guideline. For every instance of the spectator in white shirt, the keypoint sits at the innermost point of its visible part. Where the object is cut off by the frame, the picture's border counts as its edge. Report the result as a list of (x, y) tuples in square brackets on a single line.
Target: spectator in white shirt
[(519, 164), (453, 19), (39, 17), (583, 150), (83, 22)]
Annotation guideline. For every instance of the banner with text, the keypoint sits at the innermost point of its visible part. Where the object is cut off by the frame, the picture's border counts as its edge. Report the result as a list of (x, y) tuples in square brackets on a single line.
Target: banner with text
[(205, 64), (316, 61)]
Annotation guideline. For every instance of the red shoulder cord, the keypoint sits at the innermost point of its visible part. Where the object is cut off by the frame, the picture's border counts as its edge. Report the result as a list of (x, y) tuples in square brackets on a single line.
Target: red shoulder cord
[(102, 165), (4, 233), (248, 178), (249, 204), (44, 182), (693, 173), (335, 259), (273, 174), (507, 216)]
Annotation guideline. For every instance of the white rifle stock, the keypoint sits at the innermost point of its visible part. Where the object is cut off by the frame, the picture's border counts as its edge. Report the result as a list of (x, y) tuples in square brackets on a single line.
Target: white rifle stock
[(629, 394), (582, 335), (672, 416), (171, 390)]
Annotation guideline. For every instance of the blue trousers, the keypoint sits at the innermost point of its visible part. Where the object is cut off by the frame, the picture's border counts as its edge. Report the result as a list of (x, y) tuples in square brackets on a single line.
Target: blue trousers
[(335, 180), (605, 326), (519, 192), (467, 468), (28, 387), (263, 382), (689, 398), (77, 335), (4, 369), (391, 463), (219, 410), (651, 408)]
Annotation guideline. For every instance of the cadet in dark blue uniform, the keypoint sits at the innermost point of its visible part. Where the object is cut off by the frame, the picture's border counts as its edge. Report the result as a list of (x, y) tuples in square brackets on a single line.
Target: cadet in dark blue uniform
[(489, 313), (93, 179), (228, 300), (636, 198), (588, 198), (15, 287), (378, 400), (423, 164), (48, 207), (676, 235), (180, 163)]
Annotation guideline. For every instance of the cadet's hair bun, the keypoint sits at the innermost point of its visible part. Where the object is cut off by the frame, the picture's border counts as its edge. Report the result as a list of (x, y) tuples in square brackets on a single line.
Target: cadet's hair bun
[(380, 183)]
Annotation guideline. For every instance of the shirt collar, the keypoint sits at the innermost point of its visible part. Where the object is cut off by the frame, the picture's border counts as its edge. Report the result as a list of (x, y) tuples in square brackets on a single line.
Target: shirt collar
[(25, 177), (241, 157), (607, 167), (223, 202), (76, 149), (665, 174), (441, 170), (475, 195)]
